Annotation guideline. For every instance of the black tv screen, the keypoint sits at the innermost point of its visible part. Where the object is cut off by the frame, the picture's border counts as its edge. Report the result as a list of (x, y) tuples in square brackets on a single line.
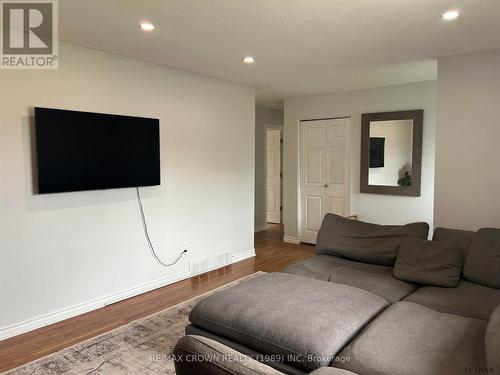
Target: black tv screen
[(88, 151)]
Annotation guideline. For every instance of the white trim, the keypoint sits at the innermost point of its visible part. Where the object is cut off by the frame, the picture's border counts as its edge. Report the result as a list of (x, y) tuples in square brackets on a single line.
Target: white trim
[(260, 228), (82, 308), (238, 257), (290, 239), (274, 126), (69, 312), (298, 182)]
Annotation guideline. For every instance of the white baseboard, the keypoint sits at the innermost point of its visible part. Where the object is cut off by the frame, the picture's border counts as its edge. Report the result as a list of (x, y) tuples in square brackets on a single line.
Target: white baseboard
[(69, 312), (237, 257), (290, 239), (260, 228)]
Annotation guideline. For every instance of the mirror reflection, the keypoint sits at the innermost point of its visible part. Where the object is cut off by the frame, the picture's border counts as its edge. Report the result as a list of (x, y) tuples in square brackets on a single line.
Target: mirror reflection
[(390, 153)]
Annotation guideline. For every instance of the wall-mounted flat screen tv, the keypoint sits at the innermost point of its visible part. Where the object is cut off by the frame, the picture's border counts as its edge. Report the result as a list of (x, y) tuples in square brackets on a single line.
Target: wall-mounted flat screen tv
[(89, 151)]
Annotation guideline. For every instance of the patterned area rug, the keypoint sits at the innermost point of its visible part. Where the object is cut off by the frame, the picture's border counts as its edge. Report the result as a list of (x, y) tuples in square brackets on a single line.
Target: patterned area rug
[(141, 347)]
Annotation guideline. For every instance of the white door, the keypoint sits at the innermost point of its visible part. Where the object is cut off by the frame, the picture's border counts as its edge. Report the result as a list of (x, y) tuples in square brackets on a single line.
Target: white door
[(273, 179), (324, 173)]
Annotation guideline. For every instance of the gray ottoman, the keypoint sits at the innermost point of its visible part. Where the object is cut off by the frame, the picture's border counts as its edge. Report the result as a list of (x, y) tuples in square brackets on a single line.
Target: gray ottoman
[(304, 321)]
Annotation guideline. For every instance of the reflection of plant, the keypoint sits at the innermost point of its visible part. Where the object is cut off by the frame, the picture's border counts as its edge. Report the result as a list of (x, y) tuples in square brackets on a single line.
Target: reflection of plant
[(406, 180)]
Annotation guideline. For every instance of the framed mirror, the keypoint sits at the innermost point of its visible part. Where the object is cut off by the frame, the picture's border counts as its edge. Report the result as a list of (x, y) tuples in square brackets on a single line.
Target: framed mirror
[(391, 152)]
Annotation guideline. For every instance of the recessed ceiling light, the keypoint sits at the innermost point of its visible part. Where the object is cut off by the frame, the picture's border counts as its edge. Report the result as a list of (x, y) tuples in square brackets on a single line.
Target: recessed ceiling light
[(450, 15), (146, 26), (248, 59)]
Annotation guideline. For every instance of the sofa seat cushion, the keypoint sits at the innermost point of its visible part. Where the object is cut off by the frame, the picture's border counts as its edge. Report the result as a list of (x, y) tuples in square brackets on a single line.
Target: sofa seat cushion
[(306, 321), (467, 299), (409, 339), (373, 278), (364, 242)]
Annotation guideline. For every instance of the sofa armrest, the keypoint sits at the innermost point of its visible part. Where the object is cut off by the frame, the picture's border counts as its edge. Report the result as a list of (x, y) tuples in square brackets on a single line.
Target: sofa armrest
[(331, 371), (492, 342), (200, 355), (195, 355)]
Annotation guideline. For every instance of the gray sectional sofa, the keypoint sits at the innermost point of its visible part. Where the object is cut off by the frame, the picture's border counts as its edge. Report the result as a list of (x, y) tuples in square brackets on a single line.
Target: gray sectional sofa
[(374, 300)]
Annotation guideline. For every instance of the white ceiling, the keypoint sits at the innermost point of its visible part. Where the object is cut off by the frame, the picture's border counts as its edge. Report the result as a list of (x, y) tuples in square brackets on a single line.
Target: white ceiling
[(301, 46)]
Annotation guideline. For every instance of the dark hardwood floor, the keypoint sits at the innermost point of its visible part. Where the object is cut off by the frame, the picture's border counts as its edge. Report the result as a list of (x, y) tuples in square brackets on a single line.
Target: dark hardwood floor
[(272, 255)]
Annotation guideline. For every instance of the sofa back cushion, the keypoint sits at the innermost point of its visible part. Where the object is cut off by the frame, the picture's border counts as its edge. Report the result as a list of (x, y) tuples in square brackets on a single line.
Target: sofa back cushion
[(492, 342), (425, 262), (365, 242), (482, 265), (462, 238)]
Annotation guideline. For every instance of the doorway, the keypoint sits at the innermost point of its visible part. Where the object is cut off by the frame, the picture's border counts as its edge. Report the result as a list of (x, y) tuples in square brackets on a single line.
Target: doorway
[(273, 175), (324, 173)]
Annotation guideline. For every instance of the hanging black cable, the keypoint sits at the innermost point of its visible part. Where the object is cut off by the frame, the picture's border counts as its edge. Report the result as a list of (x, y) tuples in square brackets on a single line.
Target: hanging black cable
[(148, 238)]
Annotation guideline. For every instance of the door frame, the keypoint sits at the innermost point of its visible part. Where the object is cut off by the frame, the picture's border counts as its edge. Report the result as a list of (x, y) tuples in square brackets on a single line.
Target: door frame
[(280, 128), (299, 167)]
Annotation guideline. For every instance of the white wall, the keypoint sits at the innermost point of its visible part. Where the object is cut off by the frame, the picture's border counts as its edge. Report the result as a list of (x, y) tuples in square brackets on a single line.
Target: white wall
[(62, 254), (384, 209), (468, 141), (264, 118)]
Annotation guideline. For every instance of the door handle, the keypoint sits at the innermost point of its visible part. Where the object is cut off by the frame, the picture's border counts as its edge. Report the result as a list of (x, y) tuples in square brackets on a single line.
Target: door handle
[(326, 185)]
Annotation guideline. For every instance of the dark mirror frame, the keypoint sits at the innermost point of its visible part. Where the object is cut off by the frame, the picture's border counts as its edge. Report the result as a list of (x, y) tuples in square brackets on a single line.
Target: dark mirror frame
[(418, 119)]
